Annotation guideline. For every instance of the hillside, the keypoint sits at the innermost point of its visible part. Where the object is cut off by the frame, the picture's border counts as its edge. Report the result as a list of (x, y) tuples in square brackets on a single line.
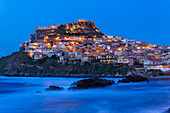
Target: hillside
[(19, 64), (80, 50)]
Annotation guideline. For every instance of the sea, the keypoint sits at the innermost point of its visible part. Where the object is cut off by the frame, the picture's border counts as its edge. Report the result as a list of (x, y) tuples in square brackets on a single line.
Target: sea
[(19, 95)]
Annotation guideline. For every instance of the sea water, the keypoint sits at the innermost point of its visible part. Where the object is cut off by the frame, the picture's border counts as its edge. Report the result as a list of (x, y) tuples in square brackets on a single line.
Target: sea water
[(18, 95)]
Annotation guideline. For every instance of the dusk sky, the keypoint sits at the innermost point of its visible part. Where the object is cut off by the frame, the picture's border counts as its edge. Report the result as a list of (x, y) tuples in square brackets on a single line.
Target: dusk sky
[(142, 20)]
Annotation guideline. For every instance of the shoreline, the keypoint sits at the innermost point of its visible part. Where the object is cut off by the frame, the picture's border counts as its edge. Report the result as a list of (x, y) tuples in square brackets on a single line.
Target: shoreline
[(64, 76), (160, 78), (84, 76)]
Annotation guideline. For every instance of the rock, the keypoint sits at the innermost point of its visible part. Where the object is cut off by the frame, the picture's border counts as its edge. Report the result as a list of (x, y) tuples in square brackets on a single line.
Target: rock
[(103, 75), (133, 79), (54, 88), (168, 111), (91, 83), (109, 75), (87, 28), (116, 74), (38, 91), (129, 73)]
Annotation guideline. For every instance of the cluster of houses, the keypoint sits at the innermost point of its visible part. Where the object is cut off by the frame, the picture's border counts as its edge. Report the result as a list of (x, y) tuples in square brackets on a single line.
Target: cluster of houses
[(104, 49)]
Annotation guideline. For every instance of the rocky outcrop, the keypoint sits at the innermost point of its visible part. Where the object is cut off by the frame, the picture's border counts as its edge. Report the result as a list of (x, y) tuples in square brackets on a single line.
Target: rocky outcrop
[(168, 111), (167, 73), (82, 27), (38, 91), (153, 73), (133, 79), (52, 88), (91, 83)]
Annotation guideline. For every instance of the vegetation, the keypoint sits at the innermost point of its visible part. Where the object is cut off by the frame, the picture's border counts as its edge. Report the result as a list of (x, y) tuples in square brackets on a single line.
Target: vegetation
[(21, 64)]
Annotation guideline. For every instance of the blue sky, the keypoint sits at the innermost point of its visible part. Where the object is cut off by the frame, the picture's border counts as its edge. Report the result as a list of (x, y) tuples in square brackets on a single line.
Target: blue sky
[(143, 20)]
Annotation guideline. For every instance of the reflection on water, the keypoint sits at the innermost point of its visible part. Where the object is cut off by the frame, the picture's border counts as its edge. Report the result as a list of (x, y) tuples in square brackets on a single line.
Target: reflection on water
[(18, 95)]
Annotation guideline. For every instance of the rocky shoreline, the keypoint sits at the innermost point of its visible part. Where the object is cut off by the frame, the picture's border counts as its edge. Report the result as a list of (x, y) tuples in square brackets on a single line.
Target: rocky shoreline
[(21, 65), (160, 78), (64, 75), (84, 76), (97, 82)]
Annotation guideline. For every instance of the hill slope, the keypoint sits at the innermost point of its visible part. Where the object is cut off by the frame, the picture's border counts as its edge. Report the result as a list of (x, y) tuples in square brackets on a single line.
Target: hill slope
[(19, 64)]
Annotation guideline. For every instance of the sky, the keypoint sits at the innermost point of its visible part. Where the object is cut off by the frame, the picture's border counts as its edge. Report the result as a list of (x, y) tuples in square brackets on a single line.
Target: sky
[(142, 20)]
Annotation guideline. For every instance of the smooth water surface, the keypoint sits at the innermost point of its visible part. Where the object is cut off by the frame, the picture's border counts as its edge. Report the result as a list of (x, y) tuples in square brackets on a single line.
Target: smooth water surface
[(18, 95)]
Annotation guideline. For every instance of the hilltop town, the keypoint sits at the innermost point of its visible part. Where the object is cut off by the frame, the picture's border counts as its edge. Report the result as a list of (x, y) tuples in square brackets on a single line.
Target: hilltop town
[(83, 42), (81, 50)]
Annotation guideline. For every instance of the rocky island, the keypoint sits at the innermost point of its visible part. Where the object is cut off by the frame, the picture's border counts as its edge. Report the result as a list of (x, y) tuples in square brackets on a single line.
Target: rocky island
[(91, 83)]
